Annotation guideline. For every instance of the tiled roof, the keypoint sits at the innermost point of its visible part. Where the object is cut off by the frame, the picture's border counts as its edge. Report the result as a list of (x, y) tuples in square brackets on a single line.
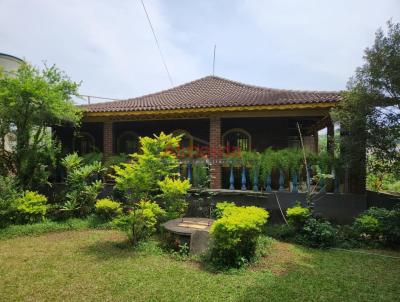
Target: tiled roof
[(212, 92)]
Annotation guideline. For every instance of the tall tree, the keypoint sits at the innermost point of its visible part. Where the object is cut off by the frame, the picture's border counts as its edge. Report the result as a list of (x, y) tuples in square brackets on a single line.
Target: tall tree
[(370, 110), (31, 100)]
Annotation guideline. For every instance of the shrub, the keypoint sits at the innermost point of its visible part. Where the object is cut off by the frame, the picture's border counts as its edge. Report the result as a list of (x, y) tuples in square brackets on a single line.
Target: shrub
[(31, 207), (139, 178), (367, 224), (379, 225), (200, 175), (107, 208), (235, 235), (297, 216), (317, 233), (173, 195), (82, 185), (141, 222), (221, 206), (280, 231), (9, 192)]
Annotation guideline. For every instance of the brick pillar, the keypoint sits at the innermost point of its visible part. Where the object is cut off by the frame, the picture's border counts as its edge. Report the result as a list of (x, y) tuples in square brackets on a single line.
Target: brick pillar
[(107, 139), (215, 152)]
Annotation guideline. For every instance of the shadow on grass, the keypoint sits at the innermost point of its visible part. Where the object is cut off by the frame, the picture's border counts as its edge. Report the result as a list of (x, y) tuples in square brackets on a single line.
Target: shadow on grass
[(121, 248), (107, 249)]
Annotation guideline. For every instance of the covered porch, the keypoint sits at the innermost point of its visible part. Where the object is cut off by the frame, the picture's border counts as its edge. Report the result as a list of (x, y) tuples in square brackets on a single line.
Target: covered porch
[(207, 140)]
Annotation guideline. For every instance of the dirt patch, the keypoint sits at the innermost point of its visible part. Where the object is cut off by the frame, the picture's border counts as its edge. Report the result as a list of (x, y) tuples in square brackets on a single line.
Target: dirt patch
[(281, 256)]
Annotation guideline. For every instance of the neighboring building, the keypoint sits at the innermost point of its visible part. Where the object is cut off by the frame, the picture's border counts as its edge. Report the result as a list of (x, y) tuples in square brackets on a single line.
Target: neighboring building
[(9, 63), (212, 113)]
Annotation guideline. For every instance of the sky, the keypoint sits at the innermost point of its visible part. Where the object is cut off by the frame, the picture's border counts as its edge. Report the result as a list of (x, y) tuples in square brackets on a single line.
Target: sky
[(108, 45)]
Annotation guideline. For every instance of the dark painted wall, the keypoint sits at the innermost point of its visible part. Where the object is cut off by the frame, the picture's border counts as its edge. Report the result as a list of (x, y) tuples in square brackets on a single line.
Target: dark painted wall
[(66, 135), (338, 208)]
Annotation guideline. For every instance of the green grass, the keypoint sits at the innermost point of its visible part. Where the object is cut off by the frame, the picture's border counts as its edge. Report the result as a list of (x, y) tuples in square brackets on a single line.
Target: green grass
[(51, 226), (97, 265)]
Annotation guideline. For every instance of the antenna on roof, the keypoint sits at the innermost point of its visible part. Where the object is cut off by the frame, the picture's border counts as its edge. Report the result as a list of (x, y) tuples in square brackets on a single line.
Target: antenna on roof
[(215, 48)]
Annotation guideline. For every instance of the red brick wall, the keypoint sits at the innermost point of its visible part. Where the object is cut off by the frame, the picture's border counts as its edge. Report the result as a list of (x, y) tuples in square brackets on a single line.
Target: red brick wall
[(107, 139), (215, 152)]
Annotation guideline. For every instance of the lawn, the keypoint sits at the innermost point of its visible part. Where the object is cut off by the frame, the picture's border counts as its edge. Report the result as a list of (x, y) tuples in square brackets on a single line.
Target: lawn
[(96, 265)]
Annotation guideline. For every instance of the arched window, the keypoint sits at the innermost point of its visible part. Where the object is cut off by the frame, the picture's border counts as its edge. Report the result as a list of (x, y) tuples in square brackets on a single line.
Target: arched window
[(128, 142), (236, 139), (84, 143), (186, 140)]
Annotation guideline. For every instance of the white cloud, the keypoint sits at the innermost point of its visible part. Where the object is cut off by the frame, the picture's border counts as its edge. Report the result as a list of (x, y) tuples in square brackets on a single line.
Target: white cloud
[(108, 45), (293, 44), (327, 37)]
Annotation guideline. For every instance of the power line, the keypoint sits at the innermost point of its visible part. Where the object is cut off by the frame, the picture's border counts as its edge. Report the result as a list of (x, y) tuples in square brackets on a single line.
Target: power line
[(215, 48), (157, 43)]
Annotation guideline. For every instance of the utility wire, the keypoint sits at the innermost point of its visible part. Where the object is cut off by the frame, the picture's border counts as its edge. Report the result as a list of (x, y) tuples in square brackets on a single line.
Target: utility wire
[(157, 43)]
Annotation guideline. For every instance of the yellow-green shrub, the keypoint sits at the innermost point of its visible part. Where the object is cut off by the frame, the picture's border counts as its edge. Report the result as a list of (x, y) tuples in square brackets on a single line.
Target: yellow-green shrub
[(220, 208), (31, 206), (141, 222), (173, 195), (235, 235), (297, 216), (107, 208)]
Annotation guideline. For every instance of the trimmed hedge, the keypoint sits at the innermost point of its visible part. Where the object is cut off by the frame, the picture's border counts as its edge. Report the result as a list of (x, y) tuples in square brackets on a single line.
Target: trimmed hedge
[(235, 235)]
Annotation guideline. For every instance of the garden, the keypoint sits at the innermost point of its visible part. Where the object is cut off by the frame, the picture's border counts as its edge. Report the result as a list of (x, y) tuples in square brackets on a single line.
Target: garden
[(115, 248)]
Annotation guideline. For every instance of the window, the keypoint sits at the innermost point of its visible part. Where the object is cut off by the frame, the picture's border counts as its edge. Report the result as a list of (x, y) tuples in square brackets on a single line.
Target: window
[(236, 139), (84, 143), (128, 143)]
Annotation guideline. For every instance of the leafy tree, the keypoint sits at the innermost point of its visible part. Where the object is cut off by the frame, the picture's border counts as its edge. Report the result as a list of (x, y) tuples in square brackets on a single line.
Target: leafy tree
[(31, 100), (370, 111)]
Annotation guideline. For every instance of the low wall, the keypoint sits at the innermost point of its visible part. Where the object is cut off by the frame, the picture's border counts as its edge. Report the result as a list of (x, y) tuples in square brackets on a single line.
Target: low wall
[(382, 200), (338, 208)]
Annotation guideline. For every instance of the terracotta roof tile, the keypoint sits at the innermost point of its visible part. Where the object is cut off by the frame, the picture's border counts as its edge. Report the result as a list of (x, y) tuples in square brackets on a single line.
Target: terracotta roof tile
[(211, 92)]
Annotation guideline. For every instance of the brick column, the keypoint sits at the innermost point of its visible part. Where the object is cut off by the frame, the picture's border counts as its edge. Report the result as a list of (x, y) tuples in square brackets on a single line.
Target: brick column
[(107, 139), (215, 152)]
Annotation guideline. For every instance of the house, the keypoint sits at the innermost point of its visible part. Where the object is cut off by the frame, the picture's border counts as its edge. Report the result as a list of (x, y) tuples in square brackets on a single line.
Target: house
[(9, 64), (213, 114)]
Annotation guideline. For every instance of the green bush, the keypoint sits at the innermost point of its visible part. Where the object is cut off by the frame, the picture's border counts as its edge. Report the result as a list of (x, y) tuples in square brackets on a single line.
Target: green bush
[(141, 222), (297, 216), (221, 206), (235, 235), (139, 178), (367, 224), (200, 175), (317, 233), (9, 192), (82, 185), (107, 208), (394, 187), (379, 225), (31, 207), (280, 232), (173, 195)]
